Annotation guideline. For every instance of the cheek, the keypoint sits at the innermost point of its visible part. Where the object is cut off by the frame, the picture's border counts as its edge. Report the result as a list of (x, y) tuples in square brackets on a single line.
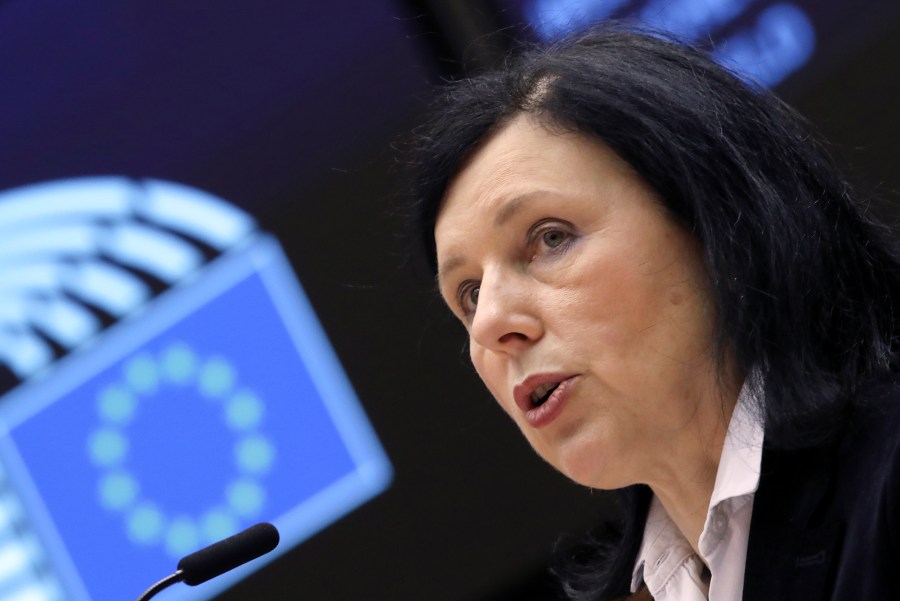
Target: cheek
[(605, 306), (493, 374)]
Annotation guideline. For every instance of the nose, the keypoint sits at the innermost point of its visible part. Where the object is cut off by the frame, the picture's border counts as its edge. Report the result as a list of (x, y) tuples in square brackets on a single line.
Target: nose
[(507, 318)]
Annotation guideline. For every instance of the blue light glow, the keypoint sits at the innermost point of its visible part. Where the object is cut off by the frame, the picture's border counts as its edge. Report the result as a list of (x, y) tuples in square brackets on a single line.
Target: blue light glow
[(691, 19), (554, 18), (782, 41)]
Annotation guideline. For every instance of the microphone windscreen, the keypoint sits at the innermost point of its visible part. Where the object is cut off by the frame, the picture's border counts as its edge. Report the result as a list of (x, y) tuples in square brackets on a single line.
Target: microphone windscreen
[(228, 554)]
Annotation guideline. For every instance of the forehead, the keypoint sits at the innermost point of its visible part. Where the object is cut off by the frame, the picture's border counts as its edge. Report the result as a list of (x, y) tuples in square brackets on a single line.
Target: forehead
[(519, 163)]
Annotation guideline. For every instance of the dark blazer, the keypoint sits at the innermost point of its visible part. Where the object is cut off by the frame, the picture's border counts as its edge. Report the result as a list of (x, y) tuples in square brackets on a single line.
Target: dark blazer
[(826, 522)]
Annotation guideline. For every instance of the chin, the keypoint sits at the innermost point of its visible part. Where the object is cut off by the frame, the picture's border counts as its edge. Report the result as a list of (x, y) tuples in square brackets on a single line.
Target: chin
[(590, 465)]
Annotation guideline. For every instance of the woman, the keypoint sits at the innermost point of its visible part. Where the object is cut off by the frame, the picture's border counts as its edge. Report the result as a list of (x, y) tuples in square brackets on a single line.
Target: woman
[(673, 293)]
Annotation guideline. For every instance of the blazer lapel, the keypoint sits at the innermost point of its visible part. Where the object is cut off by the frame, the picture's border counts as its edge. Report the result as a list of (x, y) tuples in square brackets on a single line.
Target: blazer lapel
[(790, 552)]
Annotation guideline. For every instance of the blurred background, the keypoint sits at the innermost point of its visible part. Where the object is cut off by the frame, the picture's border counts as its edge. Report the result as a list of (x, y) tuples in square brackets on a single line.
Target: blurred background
[(287, 119)]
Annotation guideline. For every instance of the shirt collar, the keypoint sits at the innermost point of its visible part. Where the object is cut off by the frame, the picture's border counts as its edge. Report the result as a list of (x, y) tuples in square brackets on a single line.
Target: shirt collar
[(739, 465), (662, 551)]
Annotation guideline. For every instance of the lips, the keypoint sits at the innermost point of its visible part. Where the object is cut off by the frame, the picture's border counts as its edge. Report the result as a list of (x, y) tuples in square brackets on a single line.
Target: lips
[(541, 396), (542, 393)]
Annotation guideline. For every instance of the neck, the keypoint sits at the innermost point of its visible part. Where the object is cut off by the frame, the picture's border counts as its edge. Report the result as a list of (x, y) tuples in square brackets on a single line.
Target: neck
[(685, 481), (686, 500)]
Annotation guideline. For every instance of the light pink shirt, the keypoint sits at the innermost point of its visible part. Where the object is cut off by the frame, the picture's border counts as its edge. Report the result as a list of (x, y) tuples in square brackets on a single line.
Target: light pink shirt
[(668, 565)]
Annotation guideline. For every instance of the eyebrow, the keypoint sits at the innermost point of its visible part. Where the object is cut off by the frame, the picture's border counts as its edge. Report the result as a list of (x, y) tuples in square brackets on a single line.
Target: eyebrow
[(503, 216), (452, 263), (508, 210)]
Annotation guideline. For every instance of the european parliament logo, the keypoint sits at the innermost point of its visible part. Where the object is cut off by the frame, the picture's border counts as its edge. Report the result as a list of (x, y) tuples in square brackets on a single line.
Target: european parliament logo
[(167, 385)]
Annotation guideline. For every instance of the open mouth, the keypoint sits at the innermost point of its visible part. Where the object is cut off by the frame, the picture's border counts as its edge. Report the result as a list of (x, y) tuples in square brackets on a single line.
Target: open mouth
[(542, 393)]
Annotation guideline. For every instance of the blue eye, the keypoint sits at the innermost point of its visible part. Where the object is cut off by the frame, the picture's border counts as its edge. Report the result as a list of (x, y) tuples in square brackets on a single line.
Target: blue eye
[(554, 238), (550, 236), (467, 296)]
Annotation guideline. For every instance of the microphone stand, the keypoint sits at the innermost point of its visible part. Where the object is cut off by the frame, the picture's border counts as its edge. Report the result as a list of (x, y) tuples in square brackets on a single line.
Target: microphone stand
[(164, 583), (220, 557)]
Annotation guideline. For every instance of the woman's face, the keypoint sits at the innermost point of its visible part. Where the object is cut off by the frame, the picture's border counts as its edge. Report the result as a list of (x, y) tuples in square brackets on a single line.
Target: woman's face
[(587, 307)]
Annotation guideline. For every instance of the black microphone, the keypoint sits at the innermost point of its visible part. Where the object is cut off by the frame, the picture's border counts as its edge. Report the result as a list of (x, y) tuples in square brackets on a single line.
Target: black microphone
[(220, 557)]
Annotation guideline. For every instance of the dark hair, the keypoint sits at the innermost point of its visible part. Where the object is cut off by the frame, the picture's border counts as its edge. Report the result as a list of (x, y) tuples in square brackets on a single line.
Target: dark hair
[(803, 277)]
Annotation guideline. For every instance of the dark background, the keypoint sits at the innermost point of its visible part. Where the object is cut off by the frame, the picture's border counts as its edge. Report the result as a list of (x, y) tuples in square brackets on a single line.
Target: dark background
[(294, 111)]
